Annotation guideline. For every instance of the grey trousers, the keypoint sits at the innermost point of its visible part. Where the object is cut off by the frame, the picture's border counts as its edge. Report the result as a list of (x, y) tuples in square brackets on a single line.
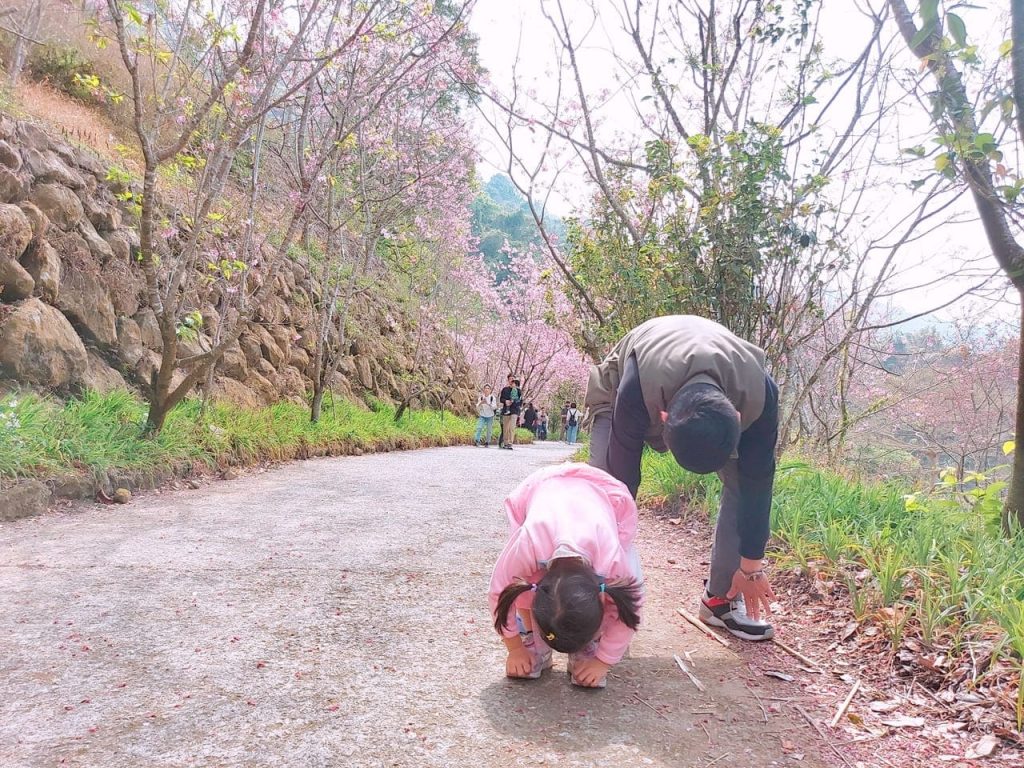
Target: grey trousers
[(725, 551)]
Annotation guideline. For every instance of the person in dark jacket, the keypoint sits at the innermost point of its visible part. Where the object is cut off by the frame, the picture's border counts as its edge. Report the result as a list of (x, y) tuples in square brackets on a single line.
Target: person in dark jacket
[(685, 384), (530, 418), (511, 402)]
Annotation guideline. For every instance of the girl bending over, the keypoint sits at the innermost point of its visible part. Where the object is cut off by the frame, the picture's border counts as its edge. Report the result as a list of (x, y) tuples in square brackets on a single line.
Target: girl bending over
[(571, 573)]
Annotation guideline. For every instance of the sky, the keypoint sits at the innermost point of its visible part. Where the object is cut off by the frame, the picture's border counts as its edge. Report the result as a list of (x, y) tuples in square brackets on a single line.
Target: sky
[(516, 38)]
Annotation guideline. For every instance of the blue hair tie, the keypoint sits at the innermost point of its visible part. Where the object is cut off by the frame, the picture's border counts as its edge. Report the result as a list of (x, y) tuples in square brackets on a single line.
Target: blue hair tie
[(601, 587)]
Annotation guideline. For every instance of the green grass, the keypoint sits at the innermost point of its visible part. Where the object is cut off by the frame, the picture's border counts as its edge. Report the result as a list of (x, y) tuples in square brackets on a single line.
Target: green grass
[(41, 436), (943, 567)]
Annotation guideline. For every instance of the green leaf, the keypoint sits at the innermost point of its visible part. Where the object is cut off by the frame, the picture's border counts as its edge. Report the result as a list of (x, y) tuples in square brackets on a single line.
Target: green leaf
[(957, 29), (1005, 47), (942, 162), (1008, 447), (133, 13), (929, 11), (918, 183), (924, 32), (917, 151)]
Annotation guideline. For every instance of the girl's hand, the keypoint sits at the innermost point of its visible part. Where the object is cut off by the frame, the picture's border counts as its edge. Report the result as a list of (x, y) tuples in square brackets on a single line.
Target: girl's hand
[(590, 672), (519, 662)]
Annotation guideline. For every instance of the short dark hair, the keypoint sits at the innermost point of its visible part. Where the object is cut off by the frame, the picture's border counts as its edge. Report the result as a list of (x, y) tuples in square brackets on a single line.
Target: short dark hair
[(702, 429), (567, 610)]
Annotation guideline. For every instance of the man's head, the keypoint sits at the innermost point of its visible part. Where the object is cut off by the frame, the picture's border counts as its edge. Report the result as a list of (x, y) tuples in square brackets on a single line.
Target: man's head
[(487, 389), (511, 378), (702, 428)]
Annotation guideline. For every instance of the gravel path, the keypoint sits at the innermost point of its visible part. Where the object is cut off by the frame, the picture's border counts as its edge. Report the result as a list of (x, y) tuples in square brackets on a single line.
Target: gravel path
[(332, 613)]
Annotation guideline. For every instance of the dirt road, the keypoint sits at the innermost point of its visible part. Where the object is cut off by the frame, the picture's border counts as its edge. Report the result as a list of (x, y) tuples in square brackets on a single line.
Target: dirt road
[(333, 613)]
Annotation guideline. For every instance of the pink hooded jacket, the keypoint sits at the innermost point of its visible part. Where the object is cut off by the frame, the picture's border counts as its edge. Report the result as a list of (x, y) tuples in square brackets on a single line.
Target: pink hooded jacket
[(585, 509)]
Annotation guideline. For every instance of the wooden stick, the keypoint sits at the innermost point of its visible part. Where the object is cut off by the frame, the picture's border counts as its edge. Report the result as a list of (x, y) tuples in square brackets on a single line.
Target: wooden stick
[(689, 674), (706, 731), (649, 705), (699, 625), (760, 703), (810, 721), (795, 653), (845, 705), (723, 755)]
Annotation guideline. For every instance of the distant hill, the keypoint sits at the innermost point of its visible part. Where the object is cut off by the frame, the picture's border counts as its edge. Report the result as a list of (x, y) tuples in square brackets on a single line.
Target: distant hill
[(501, 213)]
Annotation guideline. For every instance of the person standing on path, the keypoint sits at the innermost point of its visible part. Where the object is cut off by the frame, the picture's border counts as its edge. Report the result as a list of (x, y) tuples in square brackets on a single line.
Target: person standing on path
[(569, 574), (511, 398), (486, 405), (530, 418), (686, 384), (573, 417)]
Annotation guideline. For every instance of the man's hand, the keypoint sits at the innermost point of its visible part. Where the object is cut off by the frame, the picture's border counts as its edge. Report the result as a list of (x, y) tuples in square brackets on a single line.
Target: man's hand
[(519, 662), (757, 592), (590, 672)]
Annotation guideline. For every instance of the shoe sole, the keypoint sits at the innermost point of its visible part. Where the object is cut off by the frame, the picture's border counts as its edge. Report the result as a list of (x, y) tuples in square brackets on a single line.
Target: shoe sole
[(713, 621)]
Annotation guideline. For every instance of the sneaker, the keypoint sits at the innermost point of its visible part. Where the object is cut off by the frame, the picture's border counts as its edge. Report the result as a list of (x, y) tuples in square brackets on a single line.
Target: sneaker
[(574, 658), (542, 657), (732, 617)]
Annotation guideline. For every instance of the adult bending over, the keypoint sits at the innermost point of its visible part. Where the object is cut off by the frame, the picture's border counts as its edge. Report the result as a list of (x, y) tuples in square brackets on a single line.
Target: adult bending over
[(688, 385)]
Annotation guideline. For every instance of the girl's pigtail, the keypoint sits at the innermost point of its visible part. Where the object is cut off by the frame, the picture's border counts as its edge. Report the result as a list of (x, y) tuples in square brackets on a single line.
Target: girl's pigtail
[(625, 593), (505, 600)]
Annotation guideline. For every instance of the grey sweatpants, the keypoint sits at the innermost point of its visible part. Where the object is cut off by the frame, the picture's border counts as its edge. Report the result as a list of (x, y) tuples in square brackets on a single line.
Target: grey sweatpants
[(725, 552)]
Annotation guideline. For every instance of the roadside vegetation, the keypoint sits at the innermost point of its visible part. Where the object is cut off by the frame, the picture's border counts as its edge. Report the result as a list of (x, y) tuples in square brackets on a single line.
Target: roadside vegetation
[(41, 436), (931, 571)]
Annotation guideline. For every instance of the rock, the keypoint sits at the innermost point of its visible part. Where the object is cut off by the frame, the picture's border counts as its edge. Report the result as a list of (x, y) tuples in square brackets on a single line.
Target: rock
[(15, 281), (13, 188), (38, 346), (97, 245), (265, 368), (84, 300), (37, 221), (289, 381), (363, 372), (7, 128), (122, 496), (231, 391), (129, 341), (33, 136), (283, 336), (74, 487), (190, 347), (26, 499), (250, 346), (43, 264), (268, 346), (100, 377), (60, 205), (149, 328), (119, 245), (103, 216), (230, 474), (89, 163), (15, 232), (233, 363), (46, 167), (300, 359), (211, 319), (9, 157)]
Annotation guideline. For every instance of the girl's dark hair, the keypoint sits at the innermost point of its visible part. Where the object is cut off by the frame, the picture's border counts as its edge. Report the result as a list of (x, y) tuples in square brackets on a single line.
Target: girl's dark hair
[(567, 610)]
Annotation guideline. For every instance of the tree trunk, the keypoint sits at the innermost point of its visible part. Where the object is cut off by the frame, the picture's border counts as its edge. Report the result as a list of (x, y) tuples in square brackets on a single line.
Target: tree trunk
[(318, 400), (1013, 510)]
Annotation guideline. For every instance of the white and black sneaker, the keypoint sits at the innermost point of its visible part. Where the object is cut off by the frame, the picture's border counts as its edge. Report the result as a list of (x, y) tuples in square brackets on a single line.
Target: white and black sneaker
[(731, 615)]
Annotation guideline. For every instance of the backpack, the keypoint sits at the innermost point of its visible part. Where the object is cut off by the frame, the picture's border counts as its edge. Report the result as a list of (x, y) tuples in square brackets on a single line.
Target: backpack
[(573, 413)]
